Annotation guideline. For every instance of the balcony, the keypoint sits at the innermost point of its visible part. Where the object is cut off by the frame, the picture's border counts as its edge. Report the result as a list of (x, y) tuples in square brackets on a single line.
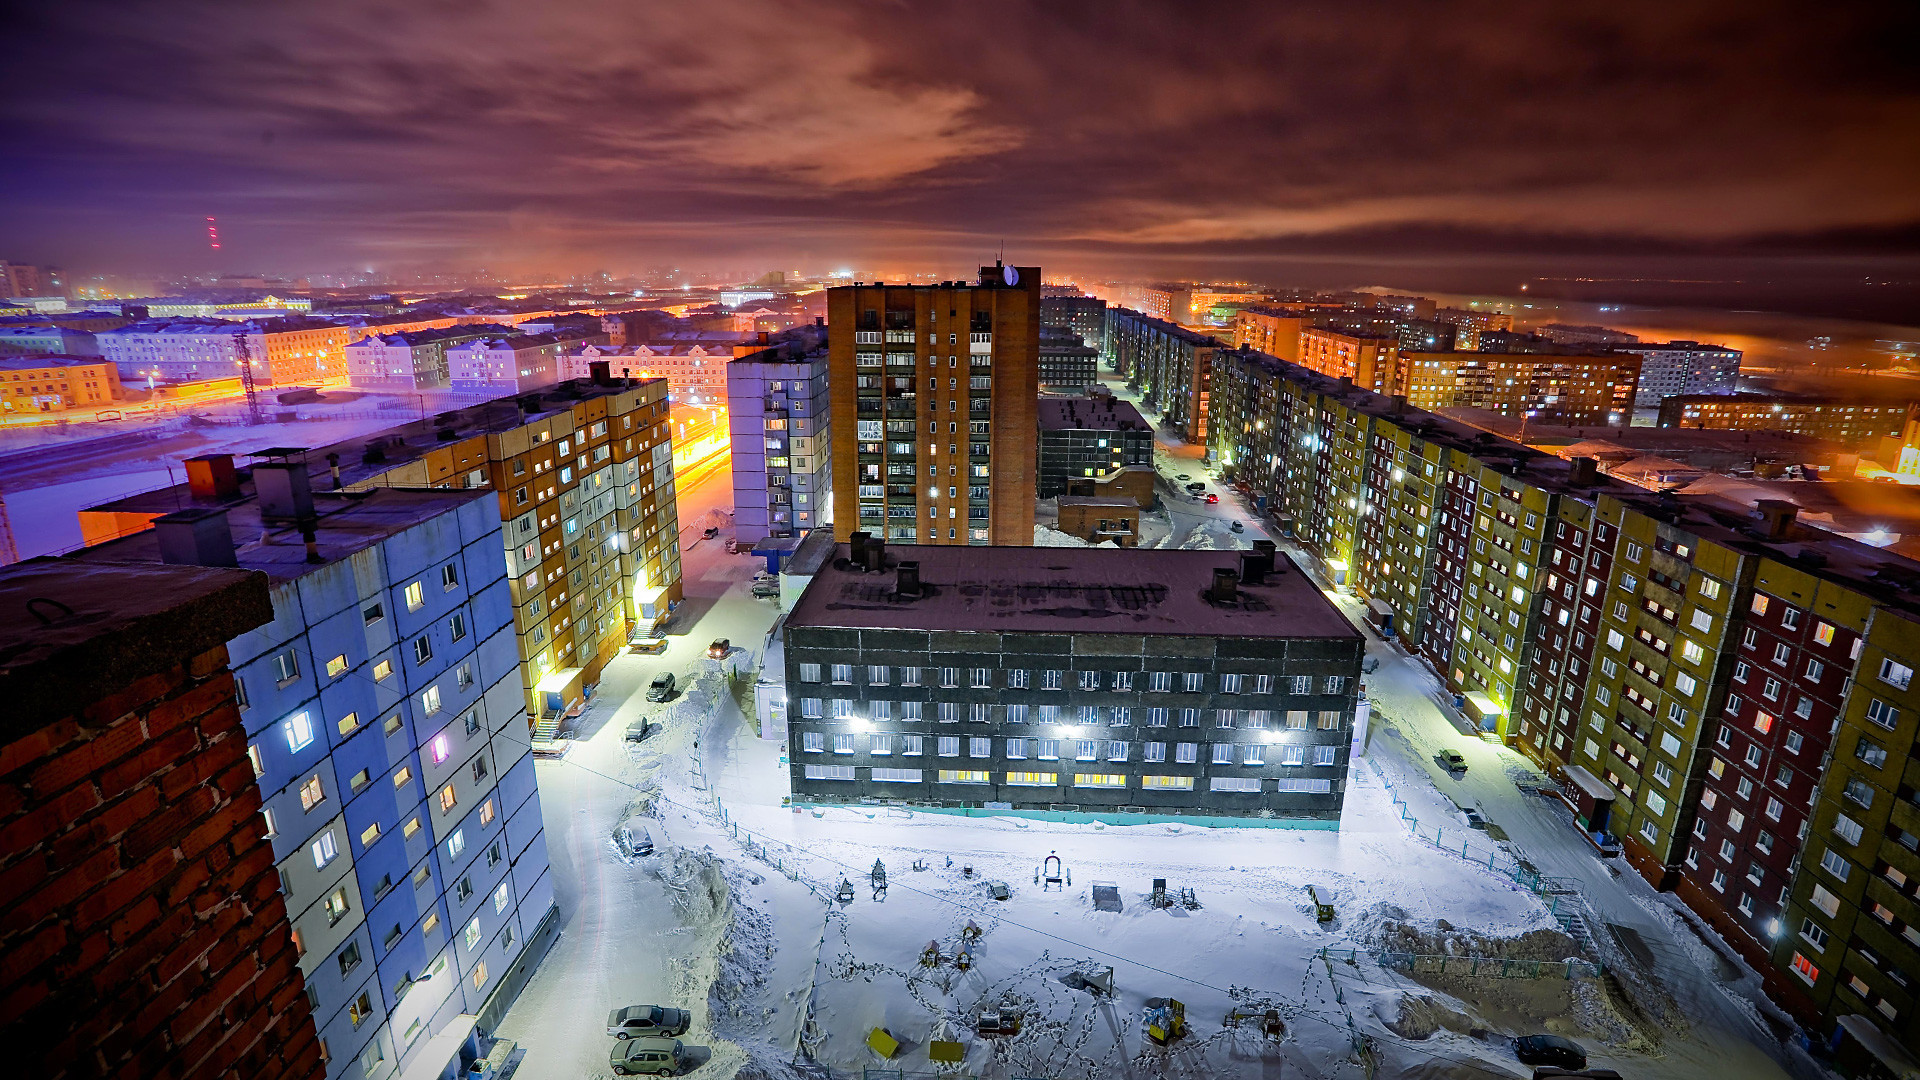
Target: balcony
[(866, 337), (978, 343)]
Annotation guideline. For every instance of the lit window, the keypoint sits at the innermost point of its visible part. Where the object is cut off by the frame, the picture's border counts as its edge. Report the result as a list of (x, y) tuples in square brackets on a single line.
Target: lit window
[(440, 748), (324, 850), (299, 731), (336, 665), (456, 843), (416, 596), (311, 793), (447, 798)]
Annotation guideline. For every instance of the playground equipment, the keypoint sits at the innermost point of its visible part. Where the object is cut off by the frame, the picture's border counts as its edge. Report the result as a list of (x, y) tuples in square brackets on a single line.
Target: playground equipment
[(1157, 896), (878, 875), (1099, 985), (930, 956), (1053, 873), (970, 933), (1106, 896), (845, 893), (962, 960), (998, 890), (1321, 911), (882, 1042), (1268, 1020), (1166, 1019), (918, 864), (998, 1022), (1188, 900)]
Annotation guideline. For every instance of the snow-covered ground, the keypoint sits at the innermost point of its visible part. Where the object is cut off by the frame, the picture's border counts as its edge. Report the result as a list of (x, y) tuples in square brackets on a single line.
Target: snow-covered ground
[(736, 916)]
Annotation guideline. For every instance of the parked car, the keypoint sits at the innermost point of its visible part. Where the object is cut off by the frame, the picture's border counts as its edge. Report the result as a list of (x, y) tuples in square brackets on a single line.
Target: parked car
[(652, 646), (1196, 487), (661, 1057), (719, 649), (1237, 527), (634, 840), (1184, 476), (766, 590), (1549, 1050), (638, 1020), (1454, 760), (710, 533), (1474, 818), (639, 729), (661, 688)]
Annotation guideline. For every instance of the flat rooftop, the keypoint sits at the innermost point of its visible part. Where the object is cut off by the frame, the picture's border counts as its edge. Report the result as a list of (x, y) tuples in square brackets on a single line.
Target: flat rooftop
[(1085, 413), (1035, 590), (349, 522), (400, 444), (25, 361)]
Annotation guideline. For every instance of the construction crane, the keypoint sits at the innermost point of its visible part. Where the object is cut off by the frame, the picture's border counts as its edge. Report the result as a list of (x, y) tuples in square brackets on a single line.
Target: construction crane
[(246, 376)]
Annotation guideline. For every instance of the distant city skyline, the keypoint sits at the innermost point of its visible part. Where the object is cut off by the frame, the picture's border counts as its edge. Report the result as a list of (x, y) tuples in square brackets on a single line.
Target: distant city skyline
[(1707, 141)]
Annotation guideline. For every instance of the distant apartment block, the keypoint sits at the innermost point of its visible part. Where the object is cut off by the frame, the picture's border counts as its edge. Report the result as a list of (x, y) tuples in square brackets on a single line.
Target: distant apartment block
[(1083, 315), (583, 474), (283, 351), (696, 373), (1066, 362), (1850, 423), (1468, 325), (1569, 334), (1370, 360), (941, 382), (1094, 436), (40, 384), (1552, 388), (1684, 368), (411, 359), (510, 364), (142, 922), (58, 340), (1169, 365), (383, 718), (1270, 329), (928, 677), (23, 279), (779, 424)]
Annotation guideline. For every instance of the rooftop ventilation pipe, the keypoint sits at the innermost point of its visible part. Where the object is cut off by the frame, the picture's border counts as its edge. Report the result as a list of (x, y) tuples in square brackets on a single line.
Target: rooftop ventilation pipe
[(212, 477), (284, 490), (908, 583), (1776, 518), (1225, 588)]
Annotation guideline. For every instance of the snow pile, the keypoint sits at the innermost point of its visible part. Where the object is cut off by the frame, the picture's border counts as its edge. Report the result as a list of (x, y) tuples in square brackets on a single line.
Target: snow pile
[(1048, 537)]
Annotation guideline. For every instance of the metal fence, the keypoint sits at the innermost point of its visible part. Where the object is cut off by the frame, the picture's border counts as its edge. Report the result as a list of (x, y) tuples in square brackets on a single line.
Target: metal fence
[(1485, 966)]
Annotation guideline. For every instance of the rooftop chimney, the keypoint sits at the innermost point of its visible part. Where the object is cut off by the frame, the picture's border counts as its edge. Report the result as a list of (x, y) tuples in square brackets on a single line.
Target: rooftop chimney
[(600, 371), (212, 477), (283, 490), (908, 583), (1255, 565), (1776, 518), (1585, 472), (195, 537), (876, 555), (1225, 586), (857, 547)]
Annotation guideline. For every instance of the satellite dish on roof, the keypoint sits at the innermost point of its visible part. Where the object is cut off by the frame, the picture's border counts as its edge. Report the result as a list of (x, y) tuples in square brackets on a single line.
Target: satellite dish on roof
[(1009, 275)]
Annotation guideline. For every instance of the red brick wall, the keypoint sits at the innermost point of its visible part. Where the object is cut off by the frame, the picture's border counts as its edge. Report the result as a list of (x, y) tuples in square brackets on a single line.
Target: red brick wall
[(140, 912)]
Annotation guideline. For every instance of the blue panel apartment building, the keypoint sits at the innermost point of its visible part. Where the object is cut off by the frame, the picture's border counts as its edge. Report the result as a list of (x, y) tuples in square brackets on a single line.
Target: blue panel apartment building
[(385, 716)]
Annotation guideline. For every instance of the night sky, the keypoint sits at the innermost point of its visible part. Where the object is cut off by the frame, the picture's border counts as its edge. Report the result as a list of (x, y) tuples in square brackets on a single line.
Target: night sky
[(575, 136)]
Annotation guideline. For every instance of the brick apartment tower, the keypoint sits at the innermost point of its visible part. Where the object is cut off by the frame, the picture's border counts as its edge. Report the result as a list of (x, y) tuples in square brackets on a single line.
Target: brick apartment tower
[(934, 391), (142, 930)]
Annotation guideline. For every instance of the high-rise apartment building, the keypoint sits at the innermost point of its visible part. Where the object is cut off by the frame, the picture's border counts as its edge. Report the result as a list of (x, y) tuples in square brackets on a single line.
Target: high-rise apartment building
[(382, 716), (1468, 325), (141, 921), (941, 384), (780, 430), (583, 472), (21, 279), (1170, 365), (1270, 329), (1724, 691), (1370, 360), (1083, 315), (1067, 364)]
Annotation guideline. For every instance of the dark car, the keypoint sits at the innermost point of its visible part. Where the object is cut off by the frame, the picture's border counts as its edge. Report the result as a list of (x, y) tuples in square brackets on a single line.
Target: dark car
[(710, 533), (1549, 1050), (661, 688), (719, 649), (1196, 487)]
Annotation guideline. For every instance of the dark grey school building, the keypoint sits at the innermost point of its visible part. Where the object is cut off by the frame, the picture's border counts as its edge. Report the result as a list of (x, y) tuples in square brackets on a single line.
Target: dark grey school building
[(1214, 683)]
